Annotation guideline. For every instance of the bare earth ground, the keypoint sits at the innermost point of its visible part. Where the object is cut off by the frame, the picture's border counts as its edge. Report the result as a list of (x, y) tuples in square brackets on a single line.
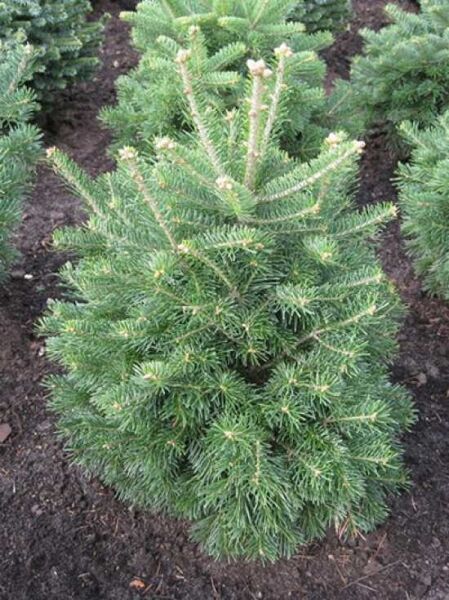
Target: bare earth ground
[(63, 537)]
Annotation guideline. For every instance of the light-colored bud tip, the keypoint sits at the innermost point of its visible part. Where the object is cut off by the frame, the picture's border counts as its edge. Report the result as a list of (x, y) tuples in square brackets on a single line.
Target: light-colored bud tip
[(283, 51), (165, 143), (258, 68), (224, 183), (183, 56), (333, 139), (128, 153)]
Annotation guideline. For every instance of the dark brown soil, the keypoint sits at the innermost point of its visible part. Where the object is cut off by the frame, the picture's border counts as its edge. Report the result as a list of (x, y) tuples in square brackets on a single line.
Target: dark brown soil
[(63, 537), (367, 13)]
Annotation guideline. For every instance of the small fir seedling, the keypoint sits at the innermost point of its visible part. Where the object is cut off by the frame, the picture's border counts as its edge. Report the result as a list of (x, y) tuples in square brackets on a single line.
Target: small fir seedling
[(19, 141), (226, 346), (424, 198), (403, 73), (225, 34), (323, 15), (66, 44)]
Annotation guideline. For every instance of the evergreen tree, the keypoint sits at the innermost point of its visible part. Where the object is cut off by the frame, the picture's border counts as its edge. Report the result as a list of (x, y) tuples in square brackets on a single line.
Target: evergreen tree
[(321, 15), (424, 197), (65, 42), (19, 141), (149, 100), (226, 344), (403, 73)]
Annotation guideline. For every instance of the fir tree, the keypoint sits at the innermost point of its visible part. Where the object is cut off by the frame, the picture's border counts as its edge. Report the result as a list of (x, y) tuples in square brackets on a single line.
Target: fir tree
[(226, 346), (65, 42), (403, 73), (321, 15), (19, 141), (424, 197), (149, 100)]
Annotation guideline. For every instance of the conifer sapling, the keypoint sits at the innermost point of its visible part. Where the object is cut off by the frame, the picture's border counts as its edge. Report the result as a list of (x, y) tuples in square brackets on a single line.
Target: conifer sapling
[(226, 342), (321, 15), (19, 141), (424, 198), (65, 42), (403, 73)]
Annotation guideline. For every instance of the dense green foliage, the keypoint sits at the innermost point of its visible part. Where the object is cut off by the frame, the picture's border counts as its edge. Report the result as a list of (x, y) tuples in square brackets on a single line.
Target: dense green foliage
[(66, 44), (403, 73), (320, 15), (150, 102), (424, 197), (19, 141), (226, 344)]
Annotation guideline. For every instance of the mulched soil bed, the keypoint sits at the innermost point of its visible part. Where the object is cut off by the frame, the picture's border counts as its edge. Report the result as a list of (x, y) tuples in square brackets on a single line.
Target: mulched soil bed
[(65, 537)]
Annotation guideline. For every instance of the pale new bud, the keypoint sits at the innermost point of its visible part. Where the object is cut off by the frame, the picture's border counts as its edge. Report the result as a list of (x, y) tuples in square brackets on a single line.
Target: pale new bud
[(224, 183), (165, 143), (183, 56), (128, 153), (193, 30), (333, 139), (258, 68), (283, 51), (360, 146), (50, 151)]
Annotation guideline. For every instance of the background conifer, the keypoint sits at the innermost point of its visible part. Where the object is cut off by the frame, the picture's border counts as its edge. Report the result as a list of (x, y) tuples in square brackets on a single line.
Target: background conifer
[(323, 15), (65, 42), (19, 141), (226, 344), (424, 197), (403, 73)]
